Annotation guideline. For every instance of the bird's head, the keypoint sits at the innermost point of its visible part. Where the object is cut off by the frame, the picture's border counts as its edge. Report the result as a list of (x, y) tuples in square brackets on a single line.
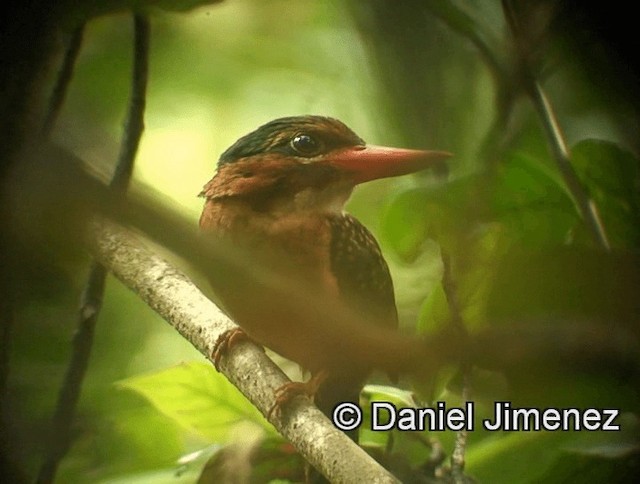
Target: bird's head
[(306, 163)]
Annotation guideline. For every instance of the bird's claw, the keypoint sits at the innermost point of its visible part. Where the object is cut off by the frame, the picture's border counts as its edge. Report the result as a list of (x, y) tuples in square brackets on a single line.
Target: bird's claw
[(287, 392), (225, 341)]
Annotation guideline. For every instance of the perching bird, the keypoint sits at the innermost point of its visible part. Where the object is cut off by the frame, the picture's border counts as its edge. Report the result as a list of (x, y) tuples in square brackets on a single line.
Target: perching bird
[(321, 294)]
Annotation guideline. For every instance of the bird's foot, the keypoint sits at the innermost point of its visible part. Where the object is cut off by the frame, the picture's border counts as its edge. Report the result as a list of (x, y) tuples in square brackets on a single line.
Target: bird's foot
[(224, 342), (287, 392)]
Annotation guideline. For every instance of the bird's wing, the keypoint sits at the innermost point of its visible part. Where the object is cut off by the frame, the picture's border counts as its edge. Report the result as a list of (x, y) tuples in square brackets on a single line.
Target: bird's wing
[(360, 270), (364, 284)]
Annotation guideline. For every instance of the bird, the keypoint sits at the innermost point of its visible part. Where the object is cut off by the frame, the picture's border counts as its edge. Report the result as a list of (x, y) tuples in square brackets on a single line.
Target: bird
[(318, 290)]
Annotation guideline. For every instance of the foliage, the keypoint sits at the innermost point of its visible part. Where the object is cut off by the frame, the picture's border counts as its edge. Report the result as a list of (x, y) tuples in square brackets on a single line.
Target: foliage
[(198, 398)]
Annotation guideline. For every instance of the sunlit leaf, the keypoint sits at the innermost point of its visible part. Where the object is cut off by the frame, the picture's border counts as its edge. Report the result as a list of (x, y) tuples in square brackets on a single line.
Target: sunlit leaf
[(390, 394), (198, 398)]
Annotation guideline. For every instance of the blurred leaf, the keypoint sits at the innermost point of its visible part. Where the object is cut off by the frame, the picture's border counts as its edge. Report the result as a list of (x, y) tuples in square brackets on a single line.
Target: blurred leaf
[(161, 476), (566, 283), (611, 445), (443, 212), (520, 457), (198, 398), (474, 259), (410, 451), (581, 469), (435, 312), (385, 393), (488, 386), (569, 320), (185, 471), (525, 457), (93, 8), (532, 202), (477, 22), (380, 393), (612, 176), (133, 437), (262, 460), (404, 224)]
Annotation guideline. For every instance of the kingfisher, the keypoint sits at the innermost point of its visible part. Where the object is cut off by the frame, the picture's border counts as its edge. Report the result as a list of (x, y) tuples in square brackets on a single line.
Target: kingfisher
[(322, 295)]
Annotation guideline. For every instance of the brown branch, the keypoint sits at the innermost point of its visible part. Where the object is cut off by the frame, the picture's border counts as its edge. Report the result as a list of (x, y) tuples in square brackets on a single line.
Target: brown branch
[(91, 301), (196, 318)]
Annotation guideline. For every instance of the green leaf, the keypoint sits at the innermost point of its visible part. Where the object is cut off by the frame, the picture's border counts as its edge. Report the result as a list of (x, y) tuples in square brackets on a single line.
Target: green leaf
[(385, 393), (404, 225), (611, 445), (159, 476), (566, 283), (612, 177), (474, 260), (523, 457), (520, 457), (198, 398), (444, 213), (531, 201), (435, 313)]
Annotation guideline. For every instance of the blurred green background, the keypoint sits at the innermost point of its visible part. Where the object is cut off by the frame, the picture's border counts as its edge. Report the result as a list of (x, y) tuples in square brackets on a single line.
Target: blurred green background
[(439, 75)]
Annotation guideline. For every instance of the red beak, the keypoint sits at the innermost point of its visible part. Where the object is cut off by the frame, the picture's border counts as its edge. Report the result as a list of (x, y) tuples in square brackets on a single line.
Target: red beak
[(367, 163)]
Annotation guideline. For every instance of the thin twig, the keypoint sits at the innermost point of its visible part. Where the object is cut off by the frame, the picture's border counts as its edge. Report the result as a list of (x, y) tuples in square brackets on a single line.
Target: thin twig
[(92, 297), (555, 138), (72, 384), (61, 86), (586, 205), (135, 117), (457, 322)]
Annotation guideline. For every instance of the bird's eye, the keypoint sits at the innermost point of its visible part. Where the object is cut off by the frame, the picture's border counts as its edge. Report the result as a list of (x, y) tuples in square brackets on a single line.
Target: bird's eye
[(305, 145)]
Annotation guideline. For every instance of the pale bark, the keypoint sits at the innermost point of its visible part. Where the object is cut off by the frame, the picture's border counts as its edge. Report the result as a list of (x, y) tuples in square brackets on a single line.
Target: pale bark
[(174, 297)]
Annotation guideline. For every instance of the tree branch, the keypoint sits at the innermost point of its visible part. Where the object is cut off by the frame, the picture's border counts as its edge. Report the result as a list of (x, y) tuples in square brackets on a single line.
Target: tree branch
[(176, 299), (91, 302)]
